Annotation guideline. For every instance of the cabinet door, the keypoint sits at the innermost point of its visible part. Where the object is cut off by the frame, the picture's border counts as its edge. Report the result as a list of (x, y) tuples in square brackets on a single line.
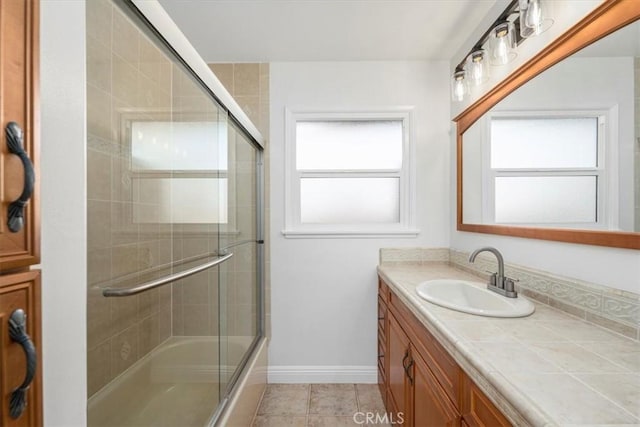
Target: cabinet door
[(18, 95), (399, 357), (20, 291), (431, 406), (478, 410)]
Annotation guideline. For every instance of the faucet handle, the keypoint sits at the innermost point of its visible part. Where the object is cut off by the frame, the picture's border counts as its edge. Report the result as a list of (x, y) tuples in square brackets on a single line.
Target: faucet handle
[(509, 284), (493, 277)]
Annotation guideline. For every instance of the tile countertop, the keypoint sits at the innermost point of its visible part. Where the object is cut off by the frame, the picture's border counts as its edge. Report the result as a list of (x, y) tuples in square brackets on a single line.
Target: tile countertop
[(547, 369)]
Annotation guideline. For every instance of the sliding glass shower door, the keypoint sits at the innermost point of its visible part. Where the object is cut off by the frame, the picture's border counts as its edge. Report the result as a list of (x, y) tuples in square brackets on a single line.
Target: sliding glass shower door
[(174, 232)]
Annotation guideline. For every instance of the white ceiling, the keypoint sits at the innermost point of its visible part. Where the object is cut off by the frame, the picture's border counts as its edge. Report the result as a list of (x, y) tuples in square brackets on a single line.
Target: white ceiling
[(326, 30)]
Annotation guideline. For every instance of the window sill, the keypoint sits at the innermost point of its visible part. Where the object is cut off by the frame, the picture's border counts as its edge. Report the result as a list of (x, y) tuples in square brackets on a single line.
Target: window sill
[(350, 234)]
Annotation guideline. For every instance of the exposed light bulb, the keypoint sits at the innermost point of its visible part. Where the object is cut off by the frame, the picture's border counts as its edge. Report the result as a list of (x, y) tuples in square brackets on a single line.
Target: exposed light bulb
[(534, 16), (478, 72), (501, 51), (503, 44), (459, 87), (532, 19)]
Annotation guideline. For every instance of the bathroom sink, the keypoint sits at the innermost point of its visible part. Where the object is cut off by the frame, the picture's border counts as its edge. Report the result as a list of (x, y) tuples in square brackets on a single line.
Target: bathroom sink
[(473, 298)]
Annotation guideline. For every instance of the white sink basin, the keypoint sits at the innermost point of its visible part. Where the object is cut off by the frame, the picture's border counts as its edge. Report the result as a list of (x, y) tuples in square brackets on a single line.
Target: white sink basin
[(473, 298)]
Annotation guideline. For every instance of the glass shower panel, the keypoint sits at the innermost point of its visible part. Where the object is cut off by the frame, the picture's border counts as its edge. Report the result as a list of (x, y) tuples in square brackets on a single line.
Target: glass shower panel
[(158, 199), (239, 282)]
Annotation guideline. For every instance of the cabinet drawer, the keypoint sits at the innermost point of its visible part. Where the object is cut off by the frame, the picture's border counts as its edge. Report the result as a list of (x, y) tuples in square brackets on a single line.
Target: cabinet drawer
[(444, 367)]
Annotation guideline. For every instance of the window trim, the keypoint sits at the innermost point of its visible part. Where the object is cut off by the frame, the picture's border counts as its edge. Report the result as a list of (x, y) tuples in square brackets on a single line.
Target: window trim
[(407, 203), (605, 172)]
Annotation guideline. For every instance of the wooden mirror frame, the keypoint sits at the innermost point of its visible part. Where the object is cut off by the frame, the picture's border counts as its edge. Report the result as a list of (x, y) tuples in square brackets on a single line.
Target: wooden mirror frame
[(604, 20)]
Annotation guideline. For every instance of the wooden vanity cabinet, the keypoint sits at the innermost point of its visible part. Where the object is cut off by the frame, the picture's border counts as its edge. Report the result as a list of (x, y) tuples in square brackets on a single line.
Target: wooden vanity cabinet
[(419, 380), (20, 319)]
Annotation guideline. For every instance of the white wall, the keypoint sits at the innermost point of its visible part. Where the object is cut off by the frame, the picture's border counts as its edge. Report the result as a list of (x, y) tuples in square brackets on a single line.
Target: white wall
[(63, 139), (618, 268), (323, 291)]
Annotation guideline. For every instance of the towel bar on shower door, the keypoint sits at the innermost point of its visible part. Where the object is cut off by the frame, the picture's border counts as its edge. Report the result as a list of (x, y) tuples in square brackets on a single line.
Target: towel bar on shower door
[(125, 292)]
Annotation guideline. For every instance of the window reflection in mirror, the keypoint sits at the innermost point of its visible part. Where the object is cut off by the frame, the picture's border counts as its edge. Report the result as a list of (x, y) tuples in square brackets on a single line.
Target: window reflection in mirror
[(563, 150)]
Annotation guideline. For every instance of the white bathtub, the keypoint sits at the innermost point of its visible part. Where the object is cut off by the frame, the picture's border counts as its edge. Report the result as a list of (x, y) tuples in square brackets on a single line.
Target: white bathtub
[(177, 384)]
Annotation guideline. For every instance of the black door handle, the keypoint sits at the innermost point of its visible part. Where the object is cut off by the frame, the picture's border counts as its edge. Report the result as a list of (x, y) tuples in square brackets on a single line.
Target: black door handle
[(18, 333), (15, 217)]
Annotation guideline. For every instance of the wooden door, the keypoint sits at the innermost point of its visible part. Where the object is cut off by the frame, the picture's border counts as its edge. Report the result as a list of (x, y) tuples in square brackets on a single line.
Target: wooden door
[(431, 406), (399, 357), (19, 242), (20, 291)]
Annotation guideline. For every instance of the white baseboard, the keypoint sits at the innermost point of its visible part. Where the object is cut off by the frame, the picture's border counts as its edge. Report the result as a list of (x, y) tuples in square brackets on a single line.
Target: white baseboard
[(323, 374)]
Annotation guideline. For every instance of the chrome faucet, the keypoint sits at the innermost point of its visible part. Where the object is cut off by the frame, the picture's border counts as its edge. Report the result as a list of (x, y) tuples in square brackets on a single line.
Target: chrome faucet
[(497, 281)]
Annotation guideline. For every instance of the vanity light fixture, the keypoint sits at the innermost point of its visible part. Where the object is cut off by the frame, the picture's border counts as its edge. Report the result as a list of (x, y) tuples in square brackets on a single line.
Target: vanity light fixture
[(521, 19)]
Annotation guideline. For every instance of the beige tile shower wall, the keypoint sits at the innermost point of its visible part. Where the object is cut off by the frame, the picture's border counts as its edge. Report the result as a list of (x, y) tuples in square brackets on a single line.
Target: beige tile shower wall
[(636, 150), (248, 83)]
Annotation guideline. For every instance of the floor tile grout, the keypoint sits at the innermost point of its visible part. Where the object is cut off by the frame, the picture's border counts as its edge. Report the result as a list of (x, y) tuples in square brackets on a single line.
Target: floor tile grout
[(270, 410)]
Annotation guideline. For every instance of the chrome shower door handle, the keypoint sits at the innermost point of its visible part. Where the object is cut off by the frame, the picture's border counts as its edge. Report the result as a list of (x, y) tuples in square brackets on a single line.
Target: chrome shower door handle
[(15, 137), (18, 334)]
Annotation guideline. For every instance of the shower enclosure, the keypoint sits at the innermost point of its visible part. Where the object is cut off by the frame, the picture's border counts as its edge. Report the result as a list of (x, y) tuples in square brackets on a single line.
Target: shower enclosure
[(175, 241)]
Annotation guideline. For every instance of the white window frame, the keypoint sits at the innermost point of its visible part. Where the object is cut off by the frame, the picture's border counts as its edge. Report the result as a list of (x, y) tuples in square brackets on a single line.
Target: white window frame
[(606, 170), (294, 228)]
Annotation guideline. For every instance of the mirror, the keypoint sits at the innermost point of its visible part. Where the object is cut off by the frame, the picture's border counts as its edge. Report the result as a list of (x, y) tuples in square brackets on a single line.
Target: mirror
[(554, 151)]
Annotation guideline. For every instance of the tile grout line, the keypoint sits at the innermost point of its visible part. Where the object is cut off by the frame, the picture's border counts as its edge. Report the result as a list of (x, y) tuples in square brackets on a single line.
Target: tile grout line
[(255, 414), (358, 406), (604, 396), (306, 420)]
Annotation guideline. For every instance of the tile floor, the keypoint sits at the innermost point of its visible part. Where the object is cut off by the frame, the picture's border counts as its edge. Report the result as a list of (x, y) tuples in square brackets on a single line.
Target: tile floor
[(319, 405)]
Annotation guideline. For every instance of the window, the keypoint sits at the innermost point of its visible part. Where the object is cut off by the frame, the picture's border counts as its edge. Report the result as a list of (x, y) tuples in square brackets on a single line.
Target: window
[(546, 169), (179, 172), (349, 174)]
